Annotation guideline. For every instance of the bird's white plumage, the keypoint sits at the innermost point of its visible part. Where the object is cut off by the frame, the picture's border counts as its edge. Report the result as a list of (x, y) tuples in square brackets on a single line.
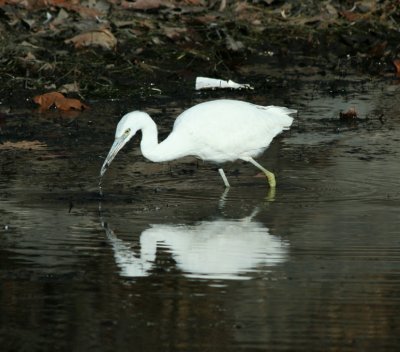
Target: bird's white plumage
[(225, 130), (218, 131)]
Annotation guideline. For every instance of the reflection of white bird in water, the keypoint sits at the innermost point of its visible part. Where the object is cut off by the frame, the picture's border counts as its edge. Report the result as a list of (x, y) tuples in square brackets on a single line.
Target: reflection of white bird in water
[(220, 249), (218, 131)]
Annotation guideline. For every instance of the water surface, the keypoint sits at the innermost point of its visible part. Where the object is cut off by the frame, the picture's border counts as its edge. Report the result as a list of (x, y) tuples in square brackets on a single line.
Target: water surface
[(168, 261)]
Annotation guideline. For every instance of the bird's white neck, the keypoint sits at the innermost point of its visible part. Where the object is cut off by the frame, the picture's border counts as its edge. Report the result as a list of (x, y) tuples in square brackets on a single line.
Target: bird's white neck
[(157, 152), (149, 142)]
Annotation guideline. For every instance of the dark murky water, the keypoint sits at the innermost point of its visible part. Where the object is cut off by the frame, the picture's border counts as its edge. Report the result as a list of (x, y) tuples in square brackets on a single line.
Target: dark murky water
[(174, 263)]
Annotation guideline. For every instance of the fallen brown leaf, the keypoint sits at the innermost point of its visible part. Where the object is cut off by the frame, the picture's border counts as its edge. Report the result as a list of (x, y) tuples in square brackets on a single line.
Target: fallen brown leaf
[(378, 50), (47, 100), (103, 38), (352, 16), (70, 104), (145, 4), (396, 64), (174, 33), (204, 19), (24, 145), (349, 114), (70, 88), (195, 2)]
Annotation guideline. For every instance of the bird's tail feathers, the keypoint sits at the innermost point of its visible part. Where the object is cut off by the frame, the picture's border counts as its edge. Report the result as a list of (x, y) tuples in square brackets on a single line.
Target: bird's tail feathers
[(281, 109), (281, 114), (287, 110)]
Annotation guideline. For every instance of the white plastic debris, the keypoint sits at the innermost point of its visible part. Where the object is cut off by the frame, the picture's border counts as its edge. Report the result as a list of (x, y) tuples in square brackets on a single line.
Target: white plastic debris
[(212, 83), (49, 17)]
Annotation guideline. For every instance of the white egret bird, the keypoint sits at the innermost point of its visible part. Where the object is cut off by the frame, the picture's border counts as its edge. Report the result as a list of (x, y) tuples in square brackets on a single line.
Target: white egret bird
[(218, 131)]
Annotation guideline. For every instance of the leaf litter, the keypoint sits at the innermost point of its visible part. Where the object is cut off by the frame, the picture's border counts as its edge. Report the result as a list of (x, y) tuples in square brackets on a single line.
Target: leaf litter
[(102, 38), (44, 40), (23, 145)]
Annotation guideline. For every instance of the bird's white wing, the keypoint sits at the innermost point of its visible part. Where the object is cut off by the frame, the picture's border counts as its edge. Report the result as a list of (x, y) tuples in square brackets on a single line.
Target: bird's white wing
[(224, 130)]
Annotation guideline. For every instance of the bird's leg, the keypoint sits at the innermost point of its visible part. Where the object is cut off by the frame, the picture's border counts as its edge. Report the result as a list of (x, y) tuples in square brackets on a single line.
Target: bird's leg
[(269, 174), (222, 173), (222, 199), (271, 194)]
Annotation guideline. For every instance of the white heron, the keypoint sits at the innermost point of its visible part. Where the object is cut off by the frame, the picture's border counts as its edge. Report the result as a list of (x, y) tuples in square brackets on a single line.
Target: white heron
[(218, 131)]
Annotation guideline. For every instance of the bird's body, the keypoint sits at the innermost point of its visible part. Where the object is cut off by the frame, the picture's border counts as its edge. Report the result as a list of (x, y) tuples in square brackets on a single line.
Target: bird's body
[(218, 131)]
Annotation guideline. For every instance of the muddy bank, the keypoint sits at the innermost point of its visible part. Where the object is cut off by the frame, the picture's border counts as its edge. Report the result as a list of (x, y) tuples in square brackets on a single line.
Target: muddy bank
[(106, 49)]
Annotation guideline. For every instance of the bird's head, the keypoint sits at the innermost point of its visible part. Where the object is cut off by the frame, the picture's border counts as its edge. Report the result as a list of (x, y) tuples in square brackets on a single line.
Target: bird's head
[(126, 129)]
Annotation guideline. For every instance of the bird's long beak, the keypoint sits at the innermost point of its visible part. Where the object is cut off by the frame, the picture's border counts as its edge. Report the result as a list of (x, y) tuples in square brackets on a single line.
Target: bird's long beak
[(115, 148)]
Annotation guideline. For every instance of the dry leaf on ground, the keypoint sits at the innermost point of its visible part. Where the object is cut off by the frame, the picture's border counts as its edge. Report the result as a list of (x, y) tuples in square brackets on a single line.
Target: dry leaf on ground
[(62, 103), (145, 4), (102, 37), (47, 100), (174, 33), (70, 104), (69, 88), (23, 145), (352, 16), (396, 63)]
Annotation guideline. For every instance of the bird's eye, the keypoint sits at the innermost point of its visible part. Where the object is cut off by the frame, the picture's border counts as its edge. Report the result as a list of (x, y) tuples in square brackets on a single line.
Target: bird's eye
[(127, 131)]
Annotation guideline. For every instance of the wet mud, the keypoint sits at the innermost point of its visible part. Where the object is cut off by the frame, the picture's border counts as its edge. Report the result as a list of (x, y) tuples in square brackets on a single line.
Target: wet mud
[(166, 259)]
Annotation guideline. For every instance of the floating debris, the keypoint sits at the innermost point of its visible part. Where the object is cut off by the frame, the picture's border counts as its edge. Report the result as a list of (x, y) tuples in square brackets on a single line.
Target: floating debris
[(212, 83), (350, 114)]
